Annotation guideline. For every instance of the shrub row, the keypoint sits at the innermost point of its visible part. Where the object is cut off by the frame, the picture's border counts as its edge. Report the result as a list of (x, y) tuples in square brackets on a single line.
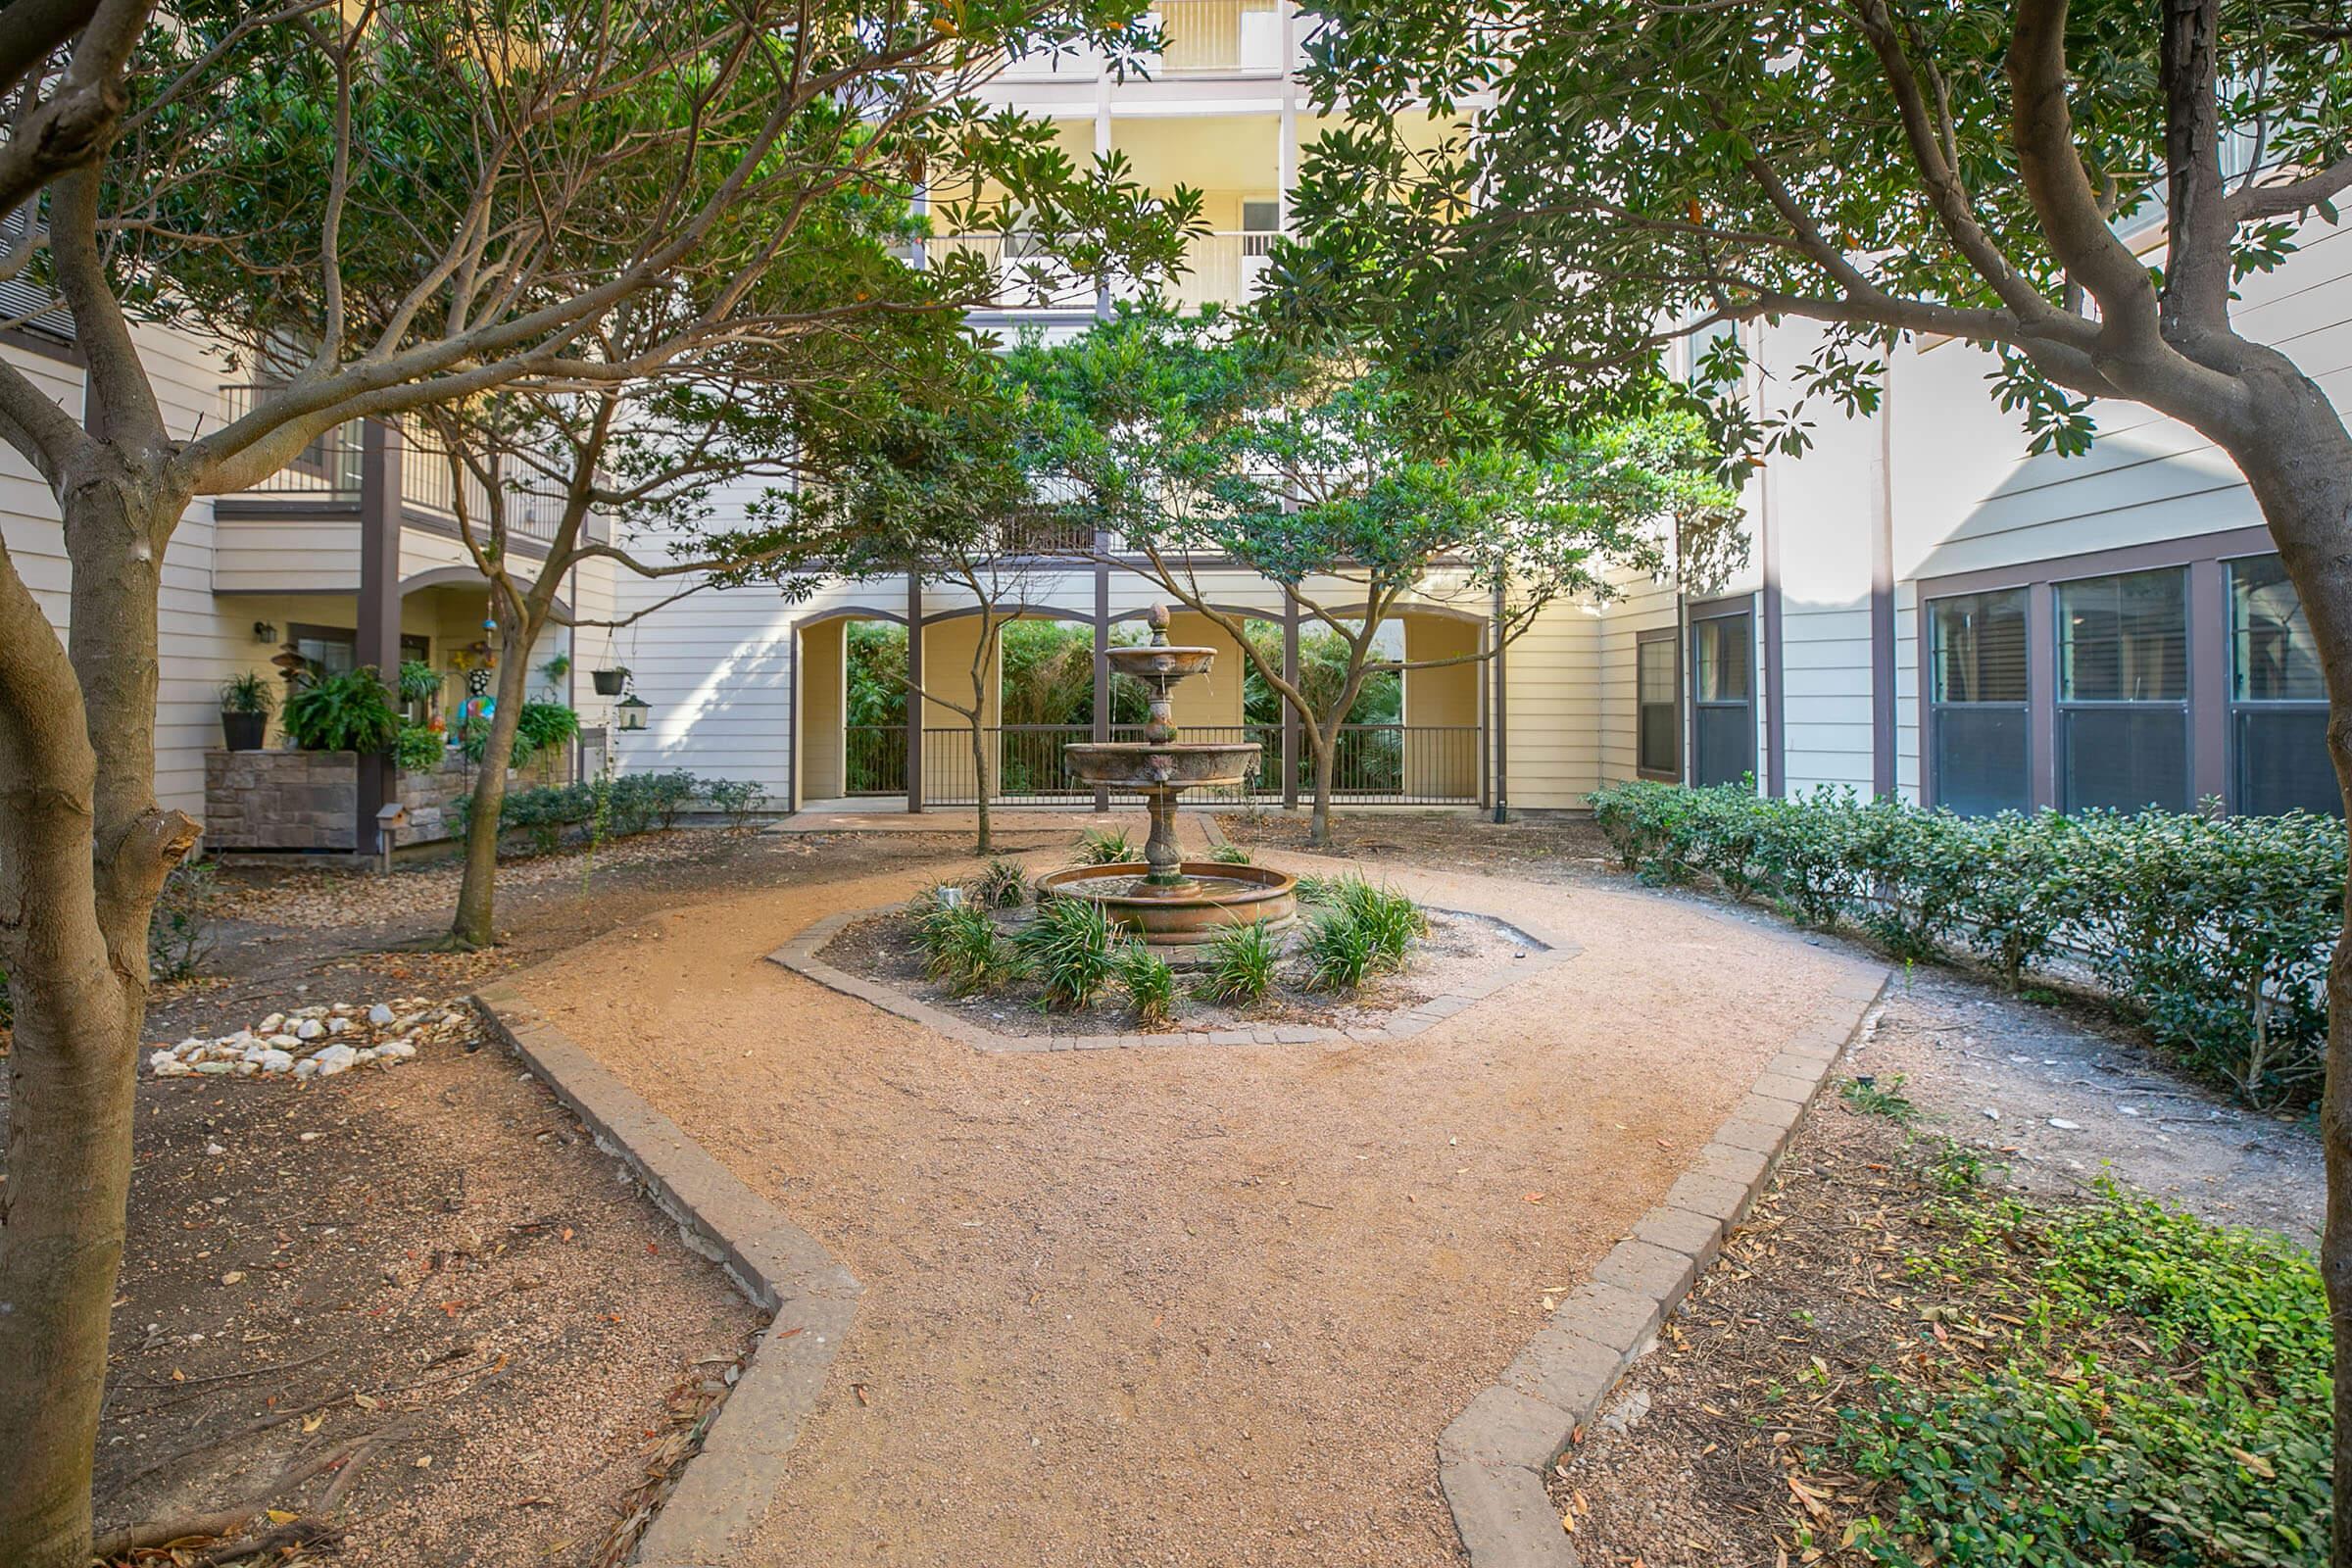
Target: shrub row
[(2213, 930), (616, 806)]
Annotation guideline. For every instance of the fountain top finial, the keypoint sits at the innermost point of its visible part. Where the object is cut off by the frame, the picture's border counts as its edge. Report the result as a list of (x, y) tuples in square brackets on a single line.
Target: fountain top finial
[(1156, 617)]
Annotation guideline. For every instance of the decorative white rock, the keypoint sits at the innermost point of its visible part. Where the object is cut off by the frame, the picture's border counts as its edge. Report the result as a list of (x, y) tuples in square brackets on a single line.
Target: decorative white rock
[(334, 1060), (380, 1015)]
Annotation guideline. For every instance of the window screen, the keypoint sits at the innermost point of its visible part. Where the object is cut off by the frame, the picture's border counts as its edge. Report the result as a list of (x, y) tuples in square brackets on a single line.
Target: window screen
[(2123, 690), (2278, 701), (1653, 694), (1976, 702), (1721, 692)]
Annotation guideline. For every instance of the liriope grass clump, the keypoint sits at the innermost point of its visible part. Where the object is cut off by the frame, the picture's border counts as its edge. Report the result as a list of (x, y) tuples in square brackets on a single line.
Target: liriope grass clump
[(1361, 931), (963, 950), (1067, 944), (1241, 959), (1108, 845), (1149, 984), (1002, 884), (1230, 855)]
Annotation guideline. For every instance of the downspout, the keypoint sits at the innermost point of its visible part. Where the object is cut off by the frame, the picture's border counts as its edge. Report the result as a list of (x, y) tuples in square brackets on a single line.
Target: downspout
[(1502, 712)]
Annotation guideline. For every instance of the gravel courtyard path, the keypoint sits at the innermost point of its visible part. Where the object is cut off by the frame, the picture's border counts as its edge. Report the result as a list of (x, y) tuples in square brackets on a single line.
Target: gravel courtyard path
[(1181, 1306)]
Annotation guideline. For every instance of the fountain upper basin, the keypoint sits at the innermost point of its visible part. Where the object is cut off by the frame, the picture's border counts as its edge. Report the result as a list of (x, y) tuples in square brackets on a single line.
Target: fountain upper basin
[(1162, 765), (1174, 663)]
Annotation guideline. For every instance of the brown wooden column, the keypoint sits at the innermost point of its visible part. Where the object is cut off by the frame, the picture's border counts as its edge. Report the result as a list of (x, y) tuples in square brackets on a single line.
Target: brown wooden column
[(379, 632), (1102, 731), (914, 692)]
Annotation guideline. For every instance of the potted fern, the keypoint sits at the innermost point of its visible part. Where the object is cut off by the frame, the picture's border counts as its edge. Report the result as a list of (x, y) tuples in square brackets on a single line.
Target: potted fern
[(348, 712), (245, 703)]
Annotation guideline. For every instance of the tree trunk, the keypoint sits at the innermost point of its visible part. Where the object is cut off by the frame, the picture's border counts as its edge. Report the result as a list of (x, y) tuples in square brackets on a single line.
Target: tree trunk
[(473, 924), (1327, 758), (982, 842), (83, 848), (2297, 457)]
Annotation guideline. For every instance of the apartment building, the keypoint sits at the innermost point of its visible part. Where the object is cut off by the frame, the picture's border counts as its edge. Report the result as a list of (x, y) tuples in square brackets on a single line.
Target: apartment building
[(350, 556), (1926, 609)]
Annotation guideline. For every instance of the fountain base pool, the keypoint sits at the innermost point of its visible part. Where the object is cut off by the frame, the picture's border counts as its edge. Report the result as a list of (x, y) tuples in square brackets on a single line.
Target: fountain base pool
[(1207, 897)]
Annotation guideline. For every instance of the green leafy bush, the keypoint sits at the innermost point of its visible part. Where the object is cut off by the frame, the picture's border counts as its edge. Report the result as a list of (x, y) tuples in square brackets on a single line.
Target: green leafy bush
[(1241, 959), (538, 727), (1149, 981), (1108, 845), (2165, 1400), (349, 712), (618, 806), (2215, 931), (419, 748), (737, 800), (1069, 948)]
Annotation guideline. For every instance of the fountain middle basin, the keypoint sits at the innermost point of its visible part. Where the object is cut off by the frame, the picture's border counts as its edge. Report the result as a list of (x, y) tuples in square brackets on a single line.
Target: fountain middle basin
[(1168, 898)]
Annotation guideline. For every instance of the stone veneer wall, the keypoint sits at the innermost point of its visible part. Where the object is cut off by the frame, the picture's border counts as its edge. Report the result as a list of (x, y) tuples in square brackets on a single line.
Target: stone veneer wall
[(280, 800), (311, 800)]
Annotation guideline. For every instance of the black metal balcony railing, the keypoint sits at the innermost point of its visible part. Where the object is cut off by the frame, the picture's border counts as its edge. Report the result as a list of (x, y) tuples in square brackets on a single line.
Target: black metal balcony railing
[(329, 470), (1392, 764)]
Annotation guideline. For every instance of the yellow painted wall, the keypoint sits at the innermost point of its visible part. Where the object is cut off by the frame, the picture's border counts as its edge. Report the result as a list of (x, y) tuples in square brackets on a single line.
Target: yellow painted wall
[(1445, 765), (1213, 700), (817, 715), (947, 647)]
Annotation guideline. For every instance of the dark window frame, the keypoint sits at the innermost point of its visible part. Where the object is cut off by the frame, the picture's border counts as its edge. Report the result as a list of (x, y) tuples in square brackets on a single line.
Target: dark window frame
[(1671, 639), (1742, 606), (2065, 708), (1935, 706), (2211, 760), (2240, 708)]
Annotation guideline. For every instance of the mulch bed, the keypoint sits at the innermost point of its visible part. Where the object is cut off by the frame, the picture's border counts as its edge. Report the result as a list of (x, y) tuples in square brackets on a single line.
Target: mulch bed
[(882, 947), (423, 1284), (1698, 1461)]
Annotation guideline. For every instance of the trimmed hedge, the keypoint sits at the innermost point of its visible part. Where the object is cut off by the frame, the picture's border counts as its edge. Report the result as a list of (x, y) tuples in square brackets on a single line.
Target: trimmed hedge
[(618, 806), (2215, 931)]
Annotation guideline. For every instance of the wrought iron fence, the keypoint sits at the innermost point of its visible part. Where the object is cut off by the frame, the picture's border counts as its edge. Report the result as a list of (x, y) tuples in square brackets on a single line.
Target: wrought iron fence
[(874, 756), (1391, 764)]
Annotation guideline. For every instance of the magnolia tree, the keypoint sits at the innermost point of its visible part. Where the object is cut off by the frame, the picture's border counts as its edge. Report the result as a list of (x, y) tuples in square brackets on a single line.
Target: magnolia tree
[(1207, 449), (1883, 169), (379, 207), (746, 461)]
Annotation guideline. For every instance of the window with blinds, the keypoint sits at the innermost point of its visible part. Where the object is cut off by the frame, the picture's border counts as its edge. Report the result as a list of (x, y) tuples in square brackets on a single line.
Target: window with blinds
[(28, 305), (2123, 690), (1658, 748), (2278, 701), (1976, 716)]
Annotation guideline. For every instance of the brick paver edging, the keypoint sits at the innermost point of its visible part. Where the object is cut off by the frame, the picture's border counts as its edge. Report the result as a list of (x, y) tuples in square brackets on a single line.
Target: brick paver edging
[(799, 954), (1493, 1459), (710, 1514)]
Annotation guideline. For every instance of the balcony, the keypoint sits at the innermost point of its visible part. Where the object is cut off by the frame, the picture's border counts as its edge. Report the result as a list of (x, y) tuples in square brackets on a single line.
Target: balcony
[(1226, 268), (326, 480), (1198, 38)]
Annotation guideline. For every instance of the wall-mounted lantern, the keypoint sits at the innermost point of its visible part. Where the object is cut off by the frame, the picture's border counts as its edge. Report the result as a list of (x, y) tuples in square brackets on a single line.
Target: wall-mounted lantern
[(264, 632), (631, 711)]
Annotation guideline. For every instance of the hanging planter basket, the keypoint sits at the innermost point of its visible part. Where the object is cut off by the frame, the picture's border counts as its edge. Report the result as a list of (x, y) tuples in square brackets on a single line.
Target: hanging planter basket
[(610, 682)]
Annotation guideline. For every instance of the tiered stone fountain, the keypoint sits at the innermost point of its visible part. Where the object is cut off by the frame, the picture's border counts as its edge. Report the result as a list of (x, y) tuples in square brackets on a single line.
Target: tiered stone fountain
[(1166, 897)]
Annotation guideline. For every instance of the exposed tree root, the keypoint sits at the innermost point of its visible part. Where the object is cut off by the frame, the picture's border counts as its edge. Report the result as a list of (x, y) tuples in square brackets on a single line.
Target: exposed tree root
[(151, 1532)]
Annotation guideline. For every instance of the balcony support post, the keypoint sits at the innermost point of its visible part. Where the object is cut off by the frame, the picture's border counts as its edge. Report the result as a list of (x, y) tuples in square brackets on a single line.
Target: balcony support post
[(1290, 714), (379, 632), (914, 692), (1102, 731)]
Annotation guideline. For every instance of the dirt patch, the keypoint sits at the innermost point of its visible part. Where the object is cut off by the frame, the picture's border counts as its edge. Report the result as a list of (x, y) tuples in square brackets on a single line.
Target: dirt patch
[(1180, 1306), (1458, 948), (437, 1257)]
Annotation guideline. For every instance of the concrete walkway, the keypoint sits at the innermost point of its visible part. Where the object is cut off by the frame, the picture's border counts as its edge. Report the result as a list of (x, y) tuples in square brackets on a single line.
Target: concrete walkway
[(1181, 1306)]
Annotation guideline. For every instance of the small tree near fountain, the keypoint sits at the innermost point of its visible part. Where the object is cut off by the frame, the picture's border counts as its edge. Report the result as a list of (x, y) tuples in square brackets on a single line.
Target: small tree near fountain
[(1204, 448)]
